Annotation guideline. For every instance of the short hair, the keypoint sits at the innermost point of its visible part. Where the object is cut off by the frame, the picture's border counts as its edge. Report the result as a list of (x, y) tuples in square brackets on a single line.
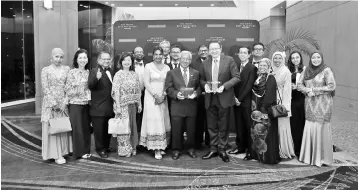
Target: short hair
[(203, 45), (216, 42), (164, 42), (75, 64), (291, 66), (175, 46), (136, 48), (157, 48), (247, 47), (103, 52), (186, 52), (123, 56), (259, 43)]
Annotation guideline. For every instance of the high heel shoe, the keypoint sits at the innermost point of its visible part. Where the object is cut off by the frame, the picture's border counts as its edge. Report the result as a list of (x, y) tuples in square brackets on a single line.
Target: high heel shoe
[(157, 155)]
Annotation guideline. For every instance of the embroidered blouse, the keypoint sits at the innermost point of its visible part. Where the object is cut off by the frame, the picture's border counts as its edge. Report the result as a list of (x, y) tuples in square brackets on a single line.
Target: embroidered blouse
[(77, 91)]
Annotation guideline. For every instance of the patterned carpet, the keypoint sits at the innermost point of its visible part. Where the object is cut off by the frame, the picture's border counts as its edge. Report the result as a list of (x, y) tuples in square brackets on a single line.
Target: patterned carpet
[(23, 168)]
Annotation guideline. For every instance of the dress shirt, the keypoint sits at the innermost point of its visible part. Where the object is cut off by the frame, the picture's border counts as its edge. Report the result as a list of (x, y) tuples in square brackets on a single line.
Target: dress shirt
[(187, 73), (168, 59), (139, 69), (213, 64), (173, 64)]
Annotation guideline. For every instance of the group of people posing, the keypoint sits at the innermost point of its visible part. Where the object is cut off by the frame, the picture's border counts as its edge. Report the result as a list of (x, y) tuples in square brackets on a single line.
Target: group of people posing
[(174, 95)]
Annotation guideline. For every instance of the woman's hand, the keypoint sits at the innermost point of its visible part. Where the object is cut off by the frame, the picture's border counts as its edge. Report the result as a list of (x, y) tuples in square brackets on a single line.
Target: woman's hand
[(139, 108), (294, 87)]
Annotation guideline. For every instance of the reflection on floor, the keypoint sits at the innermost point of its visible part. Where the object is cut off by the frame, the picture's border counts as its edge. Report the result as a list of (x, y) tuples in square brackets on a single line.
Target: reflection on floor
[(23, 168)]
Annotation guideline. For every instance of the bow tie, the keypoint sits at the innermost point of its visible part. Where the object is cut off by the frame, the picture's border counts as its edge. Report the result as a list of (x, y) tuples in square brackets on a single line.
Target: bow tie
[(203, 58), (139, 63), (106, 69)]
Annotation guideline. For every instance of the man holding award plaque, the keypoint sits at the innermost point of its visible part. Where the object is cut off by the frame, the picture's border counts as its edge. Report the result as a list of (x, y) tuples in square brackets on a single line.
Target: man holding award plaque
[(218, 77), (183, 86)]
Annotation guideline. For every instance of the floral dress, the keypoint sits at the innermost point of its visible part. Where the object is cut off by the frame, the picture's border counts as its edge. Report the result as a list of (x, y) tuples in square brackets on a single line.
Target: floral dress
[(126, 94), (53, 85)]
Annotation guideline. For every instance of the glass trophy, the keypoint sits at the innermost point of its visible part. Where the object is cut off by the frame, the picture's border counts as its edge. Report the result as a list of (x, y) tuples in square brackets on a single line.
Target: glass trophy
[(214, 85), (186, 92)]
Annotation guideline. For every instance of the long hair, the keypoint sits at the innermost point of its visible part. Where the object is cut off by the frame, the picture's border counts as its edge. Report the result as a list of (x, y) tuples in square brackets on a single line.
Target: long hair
[(291, 66), (75, 64), (125, 55)]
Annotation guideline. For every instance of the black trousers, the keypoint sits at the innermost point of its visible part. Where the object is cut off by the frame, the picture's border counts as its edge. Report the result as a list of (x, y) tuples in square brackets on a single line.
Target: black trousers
[(218, 128), (139, 117), (178, 124), (201, 124), (81, 135), (100, 132), (243, 125)]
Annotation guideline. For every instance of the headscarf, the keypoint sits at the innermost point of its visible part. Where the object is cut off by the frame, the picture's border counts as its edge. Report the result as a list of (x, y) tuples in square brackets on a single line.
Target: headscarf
[(280, 71), (56, 51), (311, 71), (260, 84)]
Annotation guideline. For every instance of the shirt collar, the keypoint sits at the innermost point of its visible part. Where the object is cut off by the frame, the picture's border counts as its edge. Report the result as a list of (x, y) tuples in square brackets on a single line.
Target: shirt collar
[(182, 69)]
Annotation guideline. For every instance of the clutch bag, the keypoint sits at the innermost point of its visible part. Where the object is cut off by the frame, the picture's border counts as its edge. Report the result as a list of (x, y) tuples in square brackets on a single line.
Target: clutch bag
[(118, 126)]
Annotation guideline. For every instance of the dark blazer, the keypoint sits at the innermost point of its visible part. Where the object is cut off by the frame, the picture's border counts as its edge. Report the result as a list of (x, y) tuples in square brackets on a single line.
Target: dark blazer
[(243, 90), (228, 76), (170, 64), (197, 65), (101, 99), (174, 81)]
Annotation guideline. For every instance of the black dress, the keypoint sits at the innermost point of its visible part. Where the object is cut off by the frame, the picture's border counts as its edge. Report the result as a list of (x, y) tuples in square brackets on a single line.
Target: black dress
[(297, 120), (264, 131)]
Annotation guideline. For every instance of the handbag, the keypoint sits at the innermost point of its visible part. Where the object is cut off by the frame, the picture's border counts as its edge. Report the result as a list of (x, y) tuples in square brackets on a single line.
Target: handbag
[(278, 110), (118, 126), (60, 125)]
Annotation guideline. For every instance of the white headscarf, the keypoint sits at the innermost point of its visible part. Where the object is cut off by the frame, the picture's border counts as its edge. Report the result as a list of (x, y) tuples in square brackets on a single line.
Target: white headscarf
[(281, 70)]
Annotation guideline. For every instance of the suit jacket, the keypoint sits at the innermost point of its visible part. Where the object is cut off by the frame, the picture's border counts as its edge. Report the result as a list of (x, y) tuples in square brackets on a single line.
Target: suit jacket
[(243, 90), (197, 65), (101, 99), (173, 82), (228, 76)]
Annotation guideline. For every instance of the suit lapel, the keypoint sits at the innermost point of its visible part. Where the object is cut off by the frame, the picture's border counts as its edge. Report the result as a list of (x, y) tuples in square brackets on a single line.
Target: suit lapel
[(190, 77), (209, 68), (221, 65)]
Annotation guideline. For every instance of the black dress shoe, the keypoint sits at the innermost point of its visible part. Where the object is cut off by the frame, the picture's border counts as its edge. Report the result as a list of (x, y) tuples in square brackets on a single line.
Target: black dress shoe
[(102, 154), (236, 151), (175, 156), (192, 154), (248, 157), (110, 149), (210, 155), (224, 156)]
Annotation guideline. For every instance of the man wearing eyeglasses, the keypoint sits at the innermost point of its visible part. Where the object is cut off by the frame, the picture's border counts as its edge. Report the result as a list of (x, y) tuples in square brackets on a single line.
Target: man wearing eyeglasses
[(174, 55), (165, 45), (219, 76), (101, 110), (257, 53)]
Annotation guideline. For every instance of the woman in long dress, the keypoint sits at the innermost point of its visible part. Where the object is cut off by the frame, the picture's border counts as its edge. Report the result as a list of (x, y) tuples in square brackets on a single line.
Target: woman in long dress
[(318, 84), (79, 95), (283, 80), (126, 94), (54, 104), (297, 120), (155, 133), (264, 131)]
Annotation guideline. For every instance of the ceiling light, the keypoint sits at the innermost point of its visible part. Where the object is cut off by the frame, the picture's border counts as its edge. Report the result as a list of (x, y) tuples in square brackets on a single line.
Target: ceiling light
[(176, 5), (212, 5), (14, 15), (140, 5), (81, 5), (28, 16), (106, 3), (112, 5)]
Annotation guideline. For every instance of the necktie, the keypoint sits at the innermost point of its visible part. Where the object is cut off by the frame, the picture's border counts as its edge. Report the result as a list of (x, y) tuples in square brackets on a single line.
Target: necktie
[(139, 63), (241, 67), (185, 77), (216, 70), (175, 65)]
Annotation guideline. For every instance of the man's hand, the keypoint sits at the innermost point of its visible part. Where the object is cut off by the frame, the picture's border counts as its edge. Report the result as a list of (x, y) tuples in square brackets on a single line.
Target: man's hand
[(193, 95), (180, 96), (207, 88), (237, 102), (99, 74), (220, 89), (294, 87), (139, 108), (310, 94)]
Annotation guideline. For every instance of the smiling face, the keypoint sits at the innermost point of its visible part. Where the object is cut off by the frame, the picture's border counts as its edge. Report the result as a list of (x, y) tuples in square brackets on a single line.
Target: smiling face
[(263, 67), (158, 56), (316, 59), (215, 50), (258, 50), (175, 53), (203, 52), (138, 53), (57, 59), (166, 48), (185, 60), (82, 60), (295, 59), (244, 54), (104, 60), (277, 60), (127, 63)]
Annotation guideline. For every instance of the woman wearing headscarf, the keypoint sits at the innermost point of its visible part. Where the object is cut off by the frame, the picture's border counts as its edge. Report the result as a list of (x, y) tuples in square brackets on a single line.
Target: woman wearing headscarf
[(297, 120), (54, 104), (318, 84), (79, 95), (283, 80), (264, 131)]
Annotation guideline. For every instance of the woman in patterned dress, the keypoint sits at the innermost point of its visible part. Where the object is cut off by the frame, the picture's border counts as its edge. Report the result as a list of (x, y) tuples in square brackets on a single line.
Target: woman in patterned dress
[(283, 80), (126, 94), (318, 84), (264, 131), (297, 120), (54, 104), (78, 96), (155, 133)]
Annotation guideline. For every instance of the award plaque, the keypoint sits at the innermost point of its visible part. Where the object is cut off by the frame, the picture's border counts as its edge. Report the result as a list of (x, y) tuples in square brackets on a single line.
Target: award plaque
[(186, 91), (214, 85)]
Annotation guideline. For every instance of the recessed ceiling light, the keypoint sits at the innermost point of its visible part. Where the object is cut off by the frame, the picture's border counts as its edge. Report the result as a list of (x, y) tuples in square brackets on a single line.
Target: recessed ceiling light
[(176, 5), (28, 16), (10, 8), (140, 5), (212, 5), (112, 5), (106, 3), (81, 5), (14, 15)]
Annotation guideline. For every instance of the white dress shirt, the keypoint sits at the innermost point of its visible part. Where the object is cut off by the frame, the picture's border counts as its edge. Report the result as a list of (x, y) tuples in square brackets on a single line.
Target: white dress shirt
[(187, 74), (213, 64), (173, 65), (168, 59), (139, 69)]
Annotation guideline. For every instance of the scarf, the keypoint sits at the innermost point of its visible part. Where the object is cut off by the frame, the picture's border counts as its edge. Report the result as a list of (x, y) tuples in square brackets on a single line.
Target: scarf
[(311, 71), (260, 85)]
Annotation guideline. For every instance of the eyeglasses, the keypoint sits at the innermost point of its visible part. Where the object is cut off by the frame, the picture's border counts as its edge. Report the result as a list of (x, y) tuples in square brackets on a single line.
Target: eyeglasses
[(214, 49), (106, 59), (205, 50), (186, 60), (258, 49)]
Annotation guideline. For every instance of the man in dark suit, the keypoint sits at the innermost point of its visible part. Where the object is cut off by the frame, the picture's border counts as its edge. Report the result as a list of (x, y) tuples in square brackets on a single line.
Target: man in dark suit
[(174, 55), (101, 110), (258, 50), (165, 45), (201, 126), (218, 102), (243, 99), (184, 105)]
